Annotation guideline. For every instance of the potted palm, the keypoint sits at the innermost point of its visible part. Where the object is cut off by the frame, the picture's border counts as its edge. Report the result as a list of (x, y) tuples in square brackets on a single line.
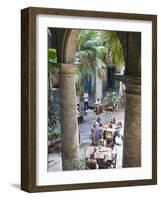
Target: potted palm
[(111, 100)]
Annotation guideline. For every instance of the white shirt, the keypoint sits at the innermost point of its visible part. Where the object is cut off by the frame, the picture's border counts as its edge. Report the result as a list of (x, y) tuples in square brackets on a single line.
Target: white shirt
[(98, 102), (118, 140), (85, 97)]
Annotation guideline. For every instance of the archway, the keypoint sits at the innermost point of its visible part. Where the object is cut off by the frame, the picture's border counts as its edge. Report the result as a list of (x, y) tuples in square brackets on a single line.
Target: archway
[(131, 43)]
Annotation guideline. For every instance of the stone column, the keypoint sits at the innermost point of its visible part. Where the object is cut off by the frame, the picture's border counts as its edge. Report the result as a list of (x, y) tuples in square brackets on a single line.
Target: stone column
[(132, 128), (68, 116)]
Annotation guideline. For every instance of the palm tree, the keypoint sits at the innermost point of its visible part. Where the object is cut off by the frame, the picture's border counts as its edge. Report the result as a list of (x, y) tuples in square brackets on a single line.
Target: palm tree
[(92, 56), (96, 50), (91, 52), (115, 51)]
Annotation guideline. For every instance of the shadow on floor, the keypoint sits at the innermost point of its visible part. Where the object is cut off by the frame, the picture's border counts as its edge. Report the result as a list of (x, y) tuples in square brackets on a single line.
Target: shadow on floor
[(15, 185)]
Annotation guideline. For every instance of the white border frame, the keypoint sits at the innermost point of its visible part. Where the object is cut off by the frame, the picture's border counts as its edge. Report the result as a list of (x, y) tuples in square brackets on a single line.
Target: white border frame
[(43, 177)]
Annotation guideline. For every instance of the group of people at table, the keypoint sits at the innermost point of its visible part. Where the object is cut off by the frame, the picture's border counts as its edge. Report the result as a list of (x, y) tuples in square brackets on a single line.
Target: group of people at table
[(106, 130), (105, 136)]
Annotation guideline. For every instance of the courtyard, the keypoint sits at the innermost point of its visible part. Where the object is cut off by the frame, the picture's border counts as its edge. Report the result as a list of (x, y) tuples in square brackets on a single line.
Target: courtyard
[(82, 133), (55, 158)]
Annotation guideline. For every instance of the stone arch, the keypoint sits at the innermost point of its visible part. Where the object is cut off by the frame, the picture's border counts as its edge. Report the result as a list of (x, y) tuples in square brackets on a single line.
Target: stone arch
[(68, 54), (130, 41), (131, 44), (69, 44), (70, 40)]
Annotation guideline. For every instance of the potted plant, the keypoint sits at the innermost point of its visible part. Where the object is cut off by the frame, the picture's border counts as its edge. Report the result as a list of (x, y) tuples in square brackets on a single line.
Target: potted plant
[(111, 100)]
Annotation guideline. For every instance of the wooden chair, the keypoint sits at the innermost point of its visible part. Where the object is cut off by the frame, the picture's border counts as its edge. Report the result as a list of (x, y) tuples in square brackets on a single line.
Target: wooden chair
[(114, 161), (91, 164), (95, 141), (108, 137)]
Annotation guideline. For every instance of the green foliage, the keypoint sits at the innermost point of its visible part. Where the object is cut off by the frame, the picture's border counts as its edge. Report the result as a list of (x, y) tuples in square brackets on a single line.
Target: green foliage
[(54, 127), (55, 130), (79, 89), (53, 108), (52, 60), (79, 163), (113, 45), (91, 52), (52, 56), (111, 99), (93, 48)]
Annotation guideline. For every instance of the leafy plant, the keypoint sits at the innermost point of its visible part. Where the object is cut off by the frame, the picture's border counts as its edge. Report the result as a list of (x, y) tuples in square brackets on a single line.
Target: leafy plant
[(55, 130), (53, 108), (79, 163), (111, 99), (114, 48), (96, 50), (91, 52), (54, 127), (52, 60)]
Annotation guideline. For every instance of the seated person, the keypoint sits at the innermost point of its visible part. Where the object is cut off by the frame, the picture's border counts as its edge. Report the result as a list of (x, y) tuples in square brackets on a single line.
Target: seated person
[(97, 132), (98, 107), (113, 120), (79, 116), (110, 125), (110, 158), (117, 138), (111, 153), (99, 121), (106, 163), (119, 124), (92, 162), (78, 107), (98, 102)]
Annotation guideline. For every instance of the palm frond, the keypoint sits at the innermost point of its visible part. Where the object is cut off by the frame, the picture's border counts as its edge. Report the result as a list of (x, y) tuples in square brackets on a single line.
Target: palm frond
[(99, 63), (112, 42)]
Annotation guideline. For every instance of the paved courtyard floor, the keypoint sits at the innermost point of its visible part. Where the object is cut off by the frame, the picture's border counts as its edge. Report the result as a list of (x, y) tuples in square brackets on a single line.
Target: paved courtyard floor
[(54, 159), (90, 118)]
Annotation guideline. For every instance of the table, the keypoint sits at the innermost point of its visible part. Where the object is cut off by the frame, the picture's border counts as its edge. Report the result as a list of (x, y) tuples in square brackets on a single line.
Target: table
[(102, 159), (99, 153)]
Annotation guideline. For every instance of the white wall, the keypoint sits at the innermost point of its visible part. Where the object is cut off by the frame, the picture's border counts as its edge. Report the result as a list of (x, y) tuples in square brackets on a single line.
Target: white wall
[(99, 82), (10, 98)]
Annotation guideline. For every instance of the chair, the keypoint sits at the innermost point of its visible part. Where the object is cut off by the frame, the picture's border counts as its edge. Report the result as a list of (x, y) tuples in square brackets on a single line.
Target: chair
[(95, 141), (90, 164), (108, 137)]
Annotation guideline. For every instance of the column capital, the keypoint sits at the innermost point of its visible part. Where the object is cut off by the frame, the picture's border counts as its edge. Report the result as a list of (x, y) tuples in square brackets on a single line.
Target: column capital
[(68, 68), (133, 85)]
